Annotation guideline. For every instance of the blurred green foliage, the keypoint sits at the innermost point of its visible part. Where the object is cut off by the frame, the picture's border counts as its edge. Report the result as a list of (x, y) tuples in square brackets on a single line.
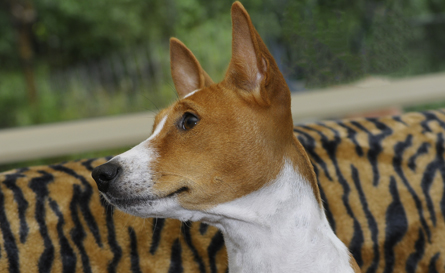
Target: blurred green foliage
[(69, 31), (316, 42), (69, 35), (339, 41)]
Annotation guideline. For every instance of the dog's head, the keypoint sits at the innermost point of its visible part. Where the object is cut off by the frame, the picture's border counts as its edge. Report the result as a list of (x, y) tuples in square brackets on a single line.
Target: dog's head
[(218, 142)]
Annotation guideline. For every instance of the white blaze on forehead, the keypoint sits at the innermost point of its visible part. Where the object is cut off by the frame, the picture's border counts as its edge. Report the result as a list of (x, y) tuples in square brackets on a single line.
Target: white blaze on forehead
[(158, 128), (191, 93)]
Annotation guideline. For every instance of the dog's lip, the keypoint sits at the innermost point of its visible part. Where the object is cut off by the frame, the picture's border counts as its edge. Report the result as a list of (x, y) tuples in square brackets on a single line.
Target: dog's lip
[(178, 191), (134, 201)]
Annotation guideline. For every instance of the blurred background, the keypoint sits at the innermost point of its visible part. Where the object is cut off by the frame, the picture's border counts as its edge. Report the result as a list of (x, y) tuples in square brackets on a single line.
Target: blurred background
[(79, 59)]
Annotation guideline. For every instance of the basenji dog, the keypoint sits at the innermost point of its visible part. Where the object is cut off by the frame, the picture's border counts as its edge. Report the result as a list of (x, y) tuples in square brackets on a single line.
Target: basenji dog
[(225, 154)]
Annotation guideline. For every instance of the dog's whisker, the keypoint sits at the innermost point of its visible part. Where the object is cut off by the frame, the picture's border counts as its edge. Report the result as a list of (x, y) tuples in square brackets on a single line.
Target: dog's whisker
[(151, 101)]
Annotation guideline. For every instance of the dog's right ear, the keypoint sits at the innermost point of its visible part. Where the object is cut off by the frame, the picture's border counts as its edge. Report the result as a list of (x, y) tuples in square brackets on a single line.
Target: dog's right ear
[(187, 73)]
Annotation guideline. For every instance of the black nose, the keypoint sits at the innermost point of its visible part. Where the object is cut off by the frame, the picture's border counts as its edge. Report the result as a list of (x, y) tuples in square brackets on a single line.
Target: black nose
[(105, 174)]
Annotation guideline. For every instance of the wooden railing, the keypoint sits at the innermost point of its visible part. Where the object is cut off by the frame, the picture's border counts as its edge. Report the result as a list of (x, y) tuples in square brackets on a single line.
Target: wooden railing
[(58, 139)]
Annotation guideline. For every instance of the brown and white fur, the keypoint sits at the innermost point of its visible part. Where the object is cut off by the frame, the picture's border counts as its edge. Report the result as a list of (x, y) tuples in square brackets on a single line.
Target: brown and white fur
[(225, 154)]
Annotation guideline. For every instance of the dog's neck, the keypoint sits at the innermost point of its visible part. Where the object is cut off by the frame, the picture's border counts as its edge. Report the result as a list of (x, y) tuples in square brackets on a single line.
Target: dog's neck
[(280, 228)]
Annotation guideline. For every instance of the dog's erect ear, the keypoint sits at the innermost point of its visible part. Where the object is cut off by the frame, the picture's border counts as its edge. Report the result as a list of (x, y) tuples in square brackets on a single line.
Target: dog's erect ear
[(248, 69), (187, 73)]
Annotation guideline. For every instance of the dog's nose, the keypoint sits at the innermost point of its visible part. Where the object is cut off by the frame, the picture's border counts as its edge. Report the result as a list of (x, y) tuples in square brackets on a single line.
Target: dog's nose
[(105, 174)]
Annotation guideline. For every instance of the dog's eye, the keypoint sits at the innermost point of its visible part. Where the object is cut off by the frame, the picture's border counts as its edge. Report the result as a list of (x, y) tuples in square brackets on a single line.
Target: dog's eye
[(188, 121)]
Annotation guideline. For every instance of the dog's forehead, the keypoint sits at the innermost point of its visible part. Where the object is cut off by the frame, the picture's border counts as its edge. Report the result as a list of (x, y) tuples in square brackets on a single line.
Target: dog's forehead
[(208, 101), (213, 96), (204, 98)]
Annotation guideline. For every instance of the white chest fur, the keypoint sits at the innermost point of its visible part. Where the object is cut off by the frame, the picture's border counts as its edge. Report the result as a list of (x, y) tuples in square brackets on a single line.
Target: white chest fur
[(280, 228)]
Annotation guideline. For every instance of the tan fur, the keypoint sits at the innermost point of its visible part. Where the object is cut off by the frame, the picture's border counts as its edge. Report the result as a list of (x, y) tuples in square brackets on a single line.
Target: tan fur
[(420, 131), (219, 127), (354, 264)]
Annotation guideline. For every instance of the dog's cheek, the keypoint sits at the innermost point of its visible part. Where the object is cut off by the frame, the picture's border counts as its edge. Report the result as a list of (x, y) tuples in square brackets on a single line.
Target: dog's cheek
[(201, 194)]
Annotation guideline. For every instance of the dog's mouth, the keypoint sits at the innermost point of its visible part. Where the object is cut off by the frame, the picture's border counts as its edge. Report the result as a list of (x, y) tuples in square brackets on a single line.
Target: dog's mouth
[(138, 201), (129, 202), (177, 192)]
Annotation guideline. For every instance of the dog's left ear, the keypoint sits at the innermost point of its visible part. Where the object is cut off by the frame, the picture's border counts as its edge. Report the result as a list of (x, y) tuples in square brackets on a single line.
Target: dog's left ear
[(251, 60), (187, 73)]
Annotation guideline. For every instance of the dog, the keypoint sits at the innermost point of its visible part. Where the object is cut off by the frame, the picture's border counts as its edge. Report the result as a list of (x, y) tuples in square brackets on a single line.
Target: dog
[(225, 154)]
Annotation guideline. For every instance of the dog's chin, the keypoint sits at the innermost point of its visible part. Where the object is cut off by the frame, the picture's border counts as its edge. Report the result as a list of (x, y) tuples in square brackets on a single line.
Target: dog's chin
[(129, 202)]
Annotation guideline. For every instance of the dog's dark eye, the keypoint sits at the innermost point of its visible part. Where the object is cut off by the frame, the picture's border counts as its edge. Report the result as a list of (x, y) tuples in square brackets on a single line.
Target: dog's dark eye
[(188, 121)]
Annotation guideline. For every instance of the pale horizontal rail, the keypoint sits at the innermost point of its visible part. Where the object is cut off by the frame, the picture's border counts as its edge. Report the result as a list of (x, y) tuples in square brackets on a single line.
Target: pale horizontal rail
[(371, 94), (43, 141)]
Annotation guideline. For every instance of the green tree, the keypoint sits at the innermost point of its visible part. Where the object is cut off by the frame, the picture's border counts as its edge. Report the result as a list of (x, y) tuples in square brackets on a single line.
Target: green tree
[(339, 41)]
